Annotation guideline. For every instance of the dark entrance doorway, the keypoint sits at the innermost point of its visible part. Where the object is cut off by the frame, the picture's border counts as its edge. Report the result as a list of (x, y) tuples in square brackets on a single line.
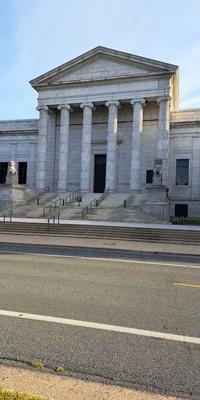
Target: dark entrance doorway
[(181, 210), (22, 172), (3, 171), (99, 173)]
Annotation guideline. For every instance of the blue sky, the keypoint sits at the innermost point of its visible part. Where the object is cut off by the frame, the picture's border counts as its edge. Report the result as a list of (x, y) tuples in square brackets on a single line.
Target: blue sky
[(38, 35)]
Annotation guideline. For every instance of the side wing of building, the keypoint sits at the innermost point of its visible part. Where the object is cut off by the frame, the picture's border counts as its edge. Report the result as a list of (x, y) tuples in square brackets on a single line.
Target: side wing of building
[(184, 165), (18, 142)]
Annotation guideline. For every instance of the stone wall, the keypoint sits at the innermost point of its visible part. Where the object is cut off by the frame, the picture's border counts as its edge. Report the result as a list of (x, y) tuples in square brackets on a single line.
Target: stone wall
[(185, 143), (18, 140)]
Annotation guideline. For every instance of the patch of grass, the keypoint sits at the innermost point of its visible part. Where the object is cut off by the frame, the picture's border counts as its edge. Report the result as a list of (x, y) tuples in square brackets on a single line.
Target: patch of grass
[(10, 395), (185, 221), (38, 364), (59, 369)]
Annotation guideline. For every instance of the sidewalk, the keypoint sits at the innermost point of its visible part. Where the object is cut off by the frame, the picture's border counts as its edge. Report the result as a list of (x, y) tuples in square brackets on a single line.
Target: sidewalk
[(68, 388), (64, 241)]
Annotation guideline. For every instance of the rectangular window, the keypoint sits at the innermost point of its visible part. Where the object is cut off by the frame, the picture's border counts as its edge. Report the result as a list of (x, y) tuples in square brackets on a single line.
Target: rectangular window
[(22, 172), (3, 171), (149, 176), (182, 171), (181, 210)]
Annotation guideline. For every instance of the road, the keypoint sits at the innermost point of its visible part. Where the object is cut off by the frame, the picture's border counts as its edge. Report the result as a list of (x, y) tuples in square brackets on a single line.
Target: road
[(145, 308)]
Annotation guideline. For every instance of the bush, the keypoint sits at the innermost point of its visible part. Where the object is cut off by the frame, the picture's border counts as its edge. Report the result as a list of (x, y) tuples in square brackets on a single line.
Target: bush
[(10, 395)]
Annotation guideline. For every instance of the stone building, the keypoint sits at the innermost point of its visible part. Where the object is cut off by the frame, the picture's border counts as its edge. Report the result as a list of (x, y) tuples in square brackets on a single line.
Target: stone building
[(109, 119)]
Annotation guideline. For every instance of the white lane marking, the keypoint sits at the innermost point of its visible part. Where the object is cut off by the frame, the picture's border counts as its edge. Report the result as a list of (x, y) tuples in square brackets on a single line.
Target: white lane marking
[(105, 327), (132, 261)]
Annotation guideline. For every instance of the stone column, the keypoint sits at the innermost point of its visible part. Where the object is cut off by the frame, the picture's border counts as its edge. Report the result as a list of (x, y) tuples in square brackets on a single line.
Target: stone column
[(111, 156), (163, 136), (63, 147), (135, 172), (86, 146), (42, 149)]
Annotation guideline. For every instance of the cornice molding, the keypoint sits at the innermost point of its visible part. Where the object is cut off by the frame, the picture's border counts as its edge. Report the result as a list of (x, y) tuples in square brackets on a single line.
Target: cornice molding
[(184, 124), (19, 132), (103, 80)]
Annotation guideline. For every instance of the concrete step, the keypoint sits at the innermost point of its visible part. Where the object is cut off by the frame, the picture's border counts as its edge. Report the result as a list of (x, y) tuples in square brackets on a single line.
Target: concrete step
[(121, 214), (114, 200), (90, 231), (32, 210), (112, 209)]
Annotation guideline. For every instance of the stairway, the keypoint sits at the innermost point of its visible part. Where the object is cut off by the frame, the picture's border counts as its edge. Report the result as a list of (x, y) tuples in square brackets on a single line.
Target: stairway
[(32, 210), (73, 210), (112, 209), (153, 235)]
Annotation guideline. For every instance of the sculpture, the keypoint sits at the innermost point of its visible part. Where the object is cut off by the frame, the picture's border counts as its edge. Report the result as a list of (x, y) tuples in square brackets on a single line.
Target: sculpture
[(12, 175), (157, 173)]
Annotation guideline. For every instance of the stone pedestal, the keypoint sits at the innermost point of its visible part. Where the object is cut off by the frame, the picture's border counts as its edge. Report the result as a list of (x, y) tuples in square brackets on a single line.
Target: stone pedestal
[(157, 203), (11, 196)]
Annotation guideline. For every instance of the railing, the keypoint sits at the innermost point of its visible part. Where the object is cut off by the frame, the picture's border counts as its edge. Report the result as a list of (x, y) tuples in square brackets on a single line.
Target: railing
[(8, 215), (53, 219), (87, 208), (61, 201), (52, 206), (94, 203), (72, 196), (102, 197)]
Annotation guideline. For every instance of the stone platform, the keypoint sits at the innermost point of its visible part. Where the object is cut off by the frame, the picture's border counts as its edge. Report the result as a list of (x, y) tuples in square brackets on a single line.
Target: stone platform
[(11, 196)]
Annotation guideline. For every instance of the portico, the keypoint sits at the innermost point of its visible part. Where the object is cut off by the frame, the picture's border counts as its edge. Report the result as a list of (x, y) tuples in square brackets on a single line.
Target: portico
[(111, 138)]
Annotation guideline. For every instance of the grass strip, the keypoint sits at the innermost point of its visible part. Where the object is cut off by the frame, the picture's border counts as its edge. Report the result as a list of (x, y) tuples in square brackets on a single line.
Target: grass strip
[(16, 395)]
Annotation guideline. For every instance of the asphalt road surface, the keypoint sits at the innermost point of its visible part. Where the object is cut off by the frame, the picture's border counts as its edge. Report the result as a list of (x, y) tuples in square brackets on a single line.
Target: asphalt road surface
[(149, 337)]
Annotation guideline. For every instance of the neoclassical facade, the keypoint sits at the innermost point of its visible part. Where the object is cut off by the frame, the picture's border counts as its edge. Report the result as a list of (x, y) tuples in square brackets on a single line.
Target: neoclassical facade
[(108, 119)]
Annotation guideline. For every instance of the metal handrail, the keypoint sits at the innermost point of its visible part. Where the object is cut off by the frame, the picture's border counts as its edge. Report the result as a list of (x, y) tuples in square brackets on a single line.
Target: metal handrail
[(94, 203), (8, 214), (61, 201), (71, 196), (51, 205), (87, 208), (53, 218), (102, 197)]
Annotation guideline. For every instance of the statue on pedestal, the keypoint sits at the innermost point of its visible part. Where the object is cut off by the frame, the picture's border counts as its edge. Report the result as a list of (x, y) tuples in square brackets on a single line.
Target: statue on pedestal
[(12, 174), (157, 173)]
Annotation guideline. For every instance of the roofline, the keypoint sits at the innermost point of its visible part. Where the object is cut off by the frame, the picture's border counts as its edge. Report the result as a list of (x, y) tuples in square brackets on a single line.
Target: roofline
[(103, 50)]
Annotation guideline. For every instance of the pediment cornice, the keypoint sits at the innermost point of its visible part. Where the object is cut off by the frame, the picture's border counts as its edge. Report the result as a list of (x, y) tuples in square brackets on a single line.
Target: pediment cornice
[(143, 67)]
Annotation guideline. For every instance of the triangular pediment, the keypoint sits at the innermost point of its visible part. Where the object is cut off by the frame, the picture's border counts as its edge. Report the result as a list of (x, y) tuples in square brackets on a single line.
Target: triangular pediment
[(100, 68), (102, 63)]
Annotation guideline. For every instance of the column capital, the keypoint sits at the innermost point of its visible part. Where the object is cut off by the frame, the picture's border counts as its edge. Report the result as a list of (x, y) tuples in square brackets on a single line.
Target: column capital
[(163, 98), (64, 106), (89, 105), (42, 108), (112, 103), (140, 100)]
